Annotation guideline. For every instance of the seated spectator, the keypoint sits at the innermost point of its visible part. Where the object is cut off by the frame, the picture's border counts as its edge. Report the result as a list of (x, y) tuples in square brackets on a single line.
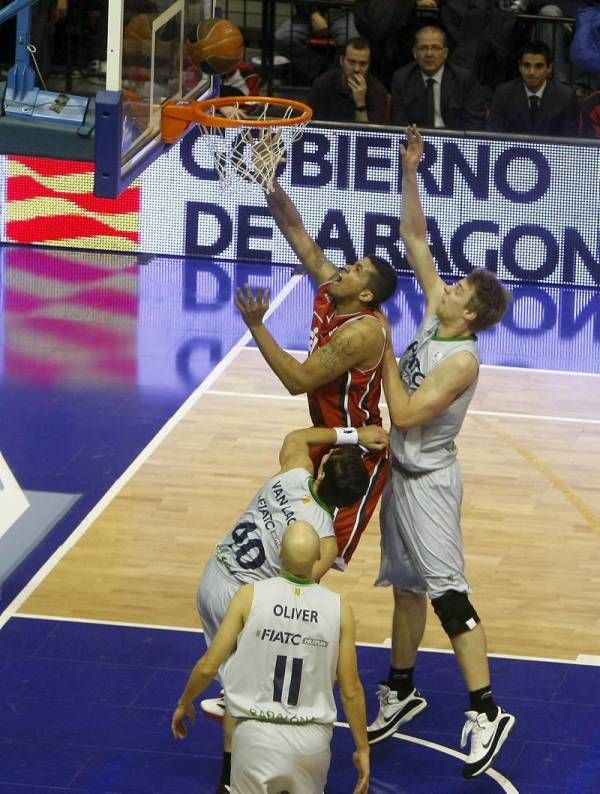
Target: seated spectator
[(349, 92), (433, 93), (312, 20), (589, 116), (533, 103)]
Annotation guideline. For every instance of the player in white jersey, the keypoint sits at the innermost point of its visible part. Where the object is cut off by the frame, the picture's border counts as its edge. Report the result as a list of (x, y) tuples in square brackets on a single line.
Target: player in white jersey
[(421, 539), (281, 644), (250, 551)]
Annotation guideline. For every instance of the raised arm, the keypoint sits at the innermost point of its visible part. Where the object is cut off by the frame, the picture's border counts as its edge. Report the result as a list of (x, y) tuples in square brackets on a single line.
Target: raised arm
[(288, 219), (353, 697), (353, 345), (413, 225), (437, 391), (295, 454), (295, 451), (205, 669)]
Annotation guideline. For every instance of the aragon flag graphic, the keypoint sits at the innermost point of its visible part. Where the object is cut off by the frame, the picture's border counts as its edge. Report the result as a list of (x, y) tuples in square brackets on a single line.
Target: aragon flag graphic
[(51, 203)]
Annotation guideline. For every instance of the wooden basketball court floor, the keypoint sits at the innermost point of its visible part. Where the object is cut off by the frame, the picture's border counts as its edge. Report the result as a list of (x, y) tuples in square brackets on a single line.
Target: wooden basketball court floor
[(530, 452)]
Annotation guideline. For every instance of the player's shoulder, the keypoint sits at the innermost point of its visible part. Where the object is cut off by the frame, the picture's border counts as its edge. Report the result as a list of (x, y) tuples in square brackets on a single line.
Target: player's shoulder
[(368, 326), (462, 365), (466, 361), (327, 594), (297, 475), (242, 600)]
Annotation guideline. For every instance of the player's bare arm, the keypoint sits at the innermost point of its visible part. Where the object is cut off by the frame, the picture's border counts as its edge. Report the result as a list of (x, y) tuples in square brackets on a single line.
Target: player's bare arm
[(288, 219), (358, 344), (413, 225), (223, 645), (295, 451), (329, 552), (353, 697), (438, 390)]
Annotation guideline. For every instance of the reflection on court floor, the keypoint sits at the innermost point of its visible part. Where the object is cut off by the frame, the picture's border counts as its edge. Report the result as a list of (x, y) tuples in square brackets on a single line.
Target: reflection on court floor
[(98, 355)]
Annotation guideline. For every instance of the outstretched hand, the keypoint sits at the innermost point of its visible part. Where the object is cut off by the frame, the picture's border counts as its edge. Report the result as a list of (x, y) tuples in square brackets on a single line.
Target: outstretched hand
[(268, 150), (252, 308), (413, 151), (373, 437)]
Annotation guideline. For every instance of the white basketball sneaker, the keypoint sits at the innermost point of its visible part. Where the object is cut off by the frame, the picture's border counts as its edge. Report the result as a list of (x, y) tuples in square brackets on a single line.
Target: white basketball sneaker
[(487, 737), (393, 712), (214, 707)]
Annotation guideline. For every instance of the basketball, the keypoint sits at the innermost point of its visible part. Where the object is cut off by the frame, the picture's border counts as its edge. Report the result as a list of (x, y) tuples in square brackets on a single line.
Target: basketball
[(219, 46)]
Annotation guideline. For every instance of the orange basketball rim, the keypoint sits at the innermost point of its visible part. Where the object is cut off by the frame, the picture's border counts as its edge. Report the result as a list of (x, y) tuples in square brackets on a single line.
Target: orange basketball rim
[(176, 117)]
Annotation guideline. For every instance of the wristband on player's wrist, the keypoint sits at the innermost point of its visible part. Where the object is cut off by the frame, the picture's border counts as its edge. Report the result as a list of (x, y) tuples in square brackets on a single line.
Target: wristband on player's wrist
[(346, 435)]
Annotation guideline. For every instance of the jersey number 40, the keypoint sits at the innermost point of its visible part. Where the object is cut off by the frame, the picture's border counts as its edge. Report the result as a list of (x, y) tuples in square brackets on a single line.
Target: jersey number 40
[(249, 552)]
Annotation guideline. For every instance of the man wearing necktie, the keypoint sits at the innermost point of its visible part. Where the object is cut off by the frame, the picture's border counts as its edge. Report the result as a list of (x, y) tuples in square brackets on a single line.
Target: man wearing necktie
[(431, 92), (430, 82), (533, 103)]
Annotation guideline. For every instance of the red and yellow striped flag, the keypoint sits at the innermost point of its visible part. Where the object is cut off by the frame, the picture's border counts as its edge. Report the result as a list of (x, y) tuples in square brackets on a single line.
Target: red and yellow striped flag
[(50, 202)]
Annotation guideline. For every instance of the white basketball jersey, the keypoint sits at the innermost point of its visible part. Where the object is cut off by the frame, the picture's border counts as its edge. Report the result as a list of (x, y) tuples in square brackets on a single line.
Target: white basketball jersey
[(285, 664), (431, 445), (250, 552)]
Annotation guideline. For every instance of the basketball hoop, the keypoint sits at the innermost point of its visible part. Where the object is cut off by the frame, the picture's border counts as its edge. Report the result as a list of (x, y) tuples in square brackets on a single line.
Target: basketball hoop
[(250, 141)]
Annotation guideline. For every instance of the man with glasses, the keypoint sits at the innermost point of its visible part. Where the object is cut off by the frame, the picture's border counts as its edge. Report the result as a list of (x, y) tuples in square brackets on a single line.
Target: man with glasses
[(432, 93)]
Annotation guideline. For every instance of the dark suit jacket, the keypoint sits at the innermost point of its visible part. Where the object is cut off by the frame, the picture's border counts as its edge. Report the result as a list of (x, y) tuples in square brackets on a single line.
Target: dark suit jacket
[(331, 100), (462, 98), (557, 113)]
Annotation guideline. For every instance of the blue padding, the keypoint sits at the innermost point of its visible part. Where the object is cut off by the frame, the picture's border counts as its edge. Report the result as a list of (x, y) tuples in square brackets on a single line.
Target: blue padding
[(109, 127)]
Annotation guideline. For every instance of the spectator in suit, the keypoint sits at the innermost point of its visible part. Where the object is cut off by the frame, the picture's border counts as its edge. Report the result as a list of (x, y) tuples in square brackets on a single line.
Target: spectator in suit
[(533, 104), (312, 20), (433, 93), (349, 92)]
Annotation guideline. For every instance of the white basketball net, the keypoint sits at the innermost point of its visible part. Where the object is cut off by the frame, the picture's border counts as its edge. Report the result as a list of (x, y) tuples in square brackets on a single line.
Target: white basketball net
[(251, 154)]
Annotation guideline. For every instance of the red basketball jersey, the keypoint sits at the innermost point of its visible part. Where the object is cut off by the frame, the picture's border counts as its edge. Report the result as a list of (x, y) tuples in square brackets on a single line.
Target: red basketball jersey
[(352, 399)]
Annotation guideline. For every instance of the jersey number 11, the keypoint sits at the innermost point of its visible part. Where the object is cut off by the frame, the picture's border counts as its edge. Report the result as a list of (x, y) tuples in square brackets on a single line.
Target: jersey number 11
[(294, 690)]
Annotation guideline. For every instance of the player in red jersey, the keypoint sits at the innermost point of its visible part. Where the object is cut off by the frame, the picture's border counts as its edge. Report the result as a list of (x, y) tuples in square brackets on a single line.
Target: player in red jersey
[(342, 374)]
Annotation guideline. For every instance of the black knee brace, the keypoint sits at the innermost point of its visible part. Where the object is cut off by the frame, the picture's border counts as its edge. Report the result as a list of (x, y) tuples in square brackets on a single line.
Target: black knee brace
[(456, 613)]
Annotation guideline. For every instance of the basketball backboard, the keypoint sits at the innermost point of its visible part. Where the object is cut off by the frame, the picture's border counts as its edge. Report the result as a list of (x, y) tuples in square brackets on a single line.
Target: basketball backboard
[(146, 67)]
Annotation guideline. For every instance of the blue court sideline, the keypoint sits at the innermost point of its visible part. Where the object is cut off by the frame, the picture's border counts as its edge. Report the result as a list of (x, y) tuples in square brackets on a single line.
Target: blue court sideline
[(87, 707)]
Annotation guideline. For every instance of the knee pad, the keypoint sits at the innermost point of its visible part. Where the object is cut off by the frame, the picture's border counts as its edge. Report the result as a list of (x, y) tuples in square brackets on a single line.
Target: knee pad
[(456, 613)]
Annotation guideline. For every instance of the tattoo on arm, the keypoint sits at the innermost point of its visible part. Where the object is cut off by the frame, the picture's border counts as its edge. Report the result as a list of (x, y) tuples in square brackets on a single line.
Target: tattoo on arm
[(320, 258), (342, 350)]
